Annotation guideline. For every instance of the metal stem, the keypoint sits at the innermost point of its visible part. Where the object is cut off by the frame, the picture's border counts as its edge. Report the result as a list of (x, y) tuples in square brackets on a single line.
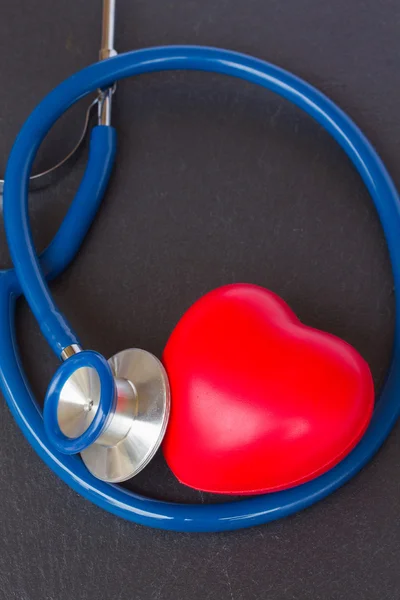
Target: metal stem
[(107, 50), (108, 30)]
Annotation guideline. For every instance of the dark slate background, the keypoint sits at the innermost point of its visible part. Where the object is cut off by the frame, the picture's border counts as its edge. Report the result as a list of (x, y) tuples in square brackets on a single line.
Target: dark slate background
[(216, 182)]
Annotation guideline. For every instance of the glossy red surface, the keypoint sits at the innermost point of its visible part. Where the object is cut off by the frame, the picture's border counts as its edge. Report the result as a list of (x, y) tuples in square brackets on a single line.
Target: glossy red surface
[(260, 402)]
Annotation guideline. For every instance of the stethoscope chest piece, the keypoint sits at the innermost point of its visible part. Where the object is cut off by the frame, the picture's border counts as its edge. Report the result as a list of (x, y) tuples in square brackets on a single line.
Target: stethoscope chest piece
[(114, 414)]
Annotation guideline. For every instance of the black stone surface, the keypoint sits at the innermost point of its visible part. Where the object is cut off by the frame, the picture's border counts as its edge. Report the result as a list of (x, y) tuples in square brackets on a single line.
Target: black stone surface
[(216, 182)]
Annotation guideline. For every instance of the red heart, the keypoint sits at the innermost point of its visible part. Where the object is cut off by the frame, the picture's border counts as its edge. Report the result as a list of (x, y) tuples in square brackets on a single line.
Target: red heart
[(260, 402)]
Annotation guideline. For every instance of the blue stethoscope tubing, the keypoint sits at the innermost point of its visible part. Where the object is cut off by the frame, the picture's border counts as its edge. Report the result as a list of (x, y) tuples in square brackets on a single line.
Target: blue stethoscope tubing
[(30, 273)]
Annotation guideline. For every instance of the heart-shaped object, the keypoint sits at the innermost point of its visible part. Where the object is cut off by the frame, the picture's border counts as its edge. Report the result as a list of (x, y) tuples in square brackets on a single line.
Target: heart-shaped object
[(260, 402)]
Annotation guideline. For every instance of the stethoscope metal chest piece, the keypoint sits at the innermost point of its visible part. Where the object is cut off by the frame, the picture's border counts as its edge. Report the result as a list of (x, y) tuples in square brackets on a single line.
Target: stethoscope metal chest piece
[(114, 413)]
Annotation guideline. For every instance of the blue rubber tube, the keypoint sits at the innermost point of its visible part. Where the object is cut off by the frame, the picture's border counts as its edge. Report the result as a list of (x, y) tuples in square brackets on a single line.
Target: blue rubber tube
[(232, 515), (68, 239)]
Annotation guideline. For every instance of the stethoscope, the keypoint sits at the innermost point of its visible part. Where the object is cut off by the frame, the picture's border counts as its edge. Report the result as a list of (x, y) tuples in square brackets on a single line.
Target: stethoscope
[(108, 387)]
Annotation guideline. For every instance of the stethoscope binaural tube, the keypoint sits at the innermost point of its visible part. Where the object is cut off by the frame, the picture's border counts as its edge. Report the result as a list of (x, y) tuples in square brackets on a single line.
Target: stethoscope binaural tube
[(233, 515)]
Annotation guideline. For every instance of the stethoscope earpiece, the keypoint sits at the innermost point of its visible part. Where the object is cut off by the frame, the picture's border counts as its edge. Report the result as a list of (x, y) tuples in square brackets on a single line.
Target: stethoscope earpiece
[(113, 413)]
